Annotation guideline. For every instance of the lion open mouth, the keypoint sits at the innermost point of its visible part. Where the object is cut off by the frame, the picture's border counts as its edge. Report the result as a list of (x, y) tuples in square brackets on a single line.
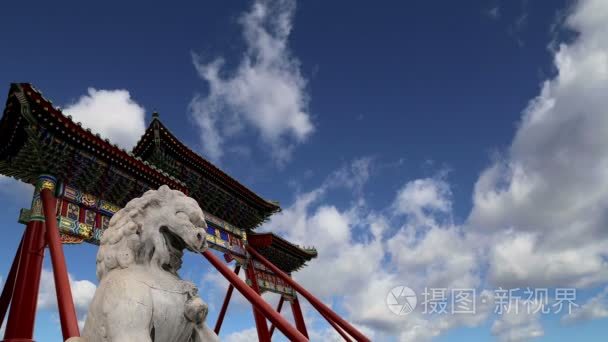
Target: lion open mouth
[(175, 245)]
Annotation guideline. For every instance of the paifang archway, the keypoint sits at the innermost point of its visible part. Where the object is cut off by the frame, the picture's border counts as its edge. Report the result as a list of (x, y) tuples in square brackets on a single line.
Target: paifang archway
[(81, 180)]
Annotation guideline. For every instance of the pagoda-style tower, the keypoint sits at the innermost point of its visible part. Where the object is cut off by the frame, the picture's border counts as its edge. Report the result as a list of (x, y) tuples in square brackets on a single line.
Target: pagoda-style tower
[(82, 180)]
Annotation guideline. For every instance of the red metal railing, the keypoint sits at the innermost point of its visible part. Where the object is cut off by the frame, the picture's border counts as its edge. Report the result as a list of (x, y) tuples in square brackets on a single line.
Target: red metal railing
[(279, 307), (317, 304), (255, 299), (220, 318)]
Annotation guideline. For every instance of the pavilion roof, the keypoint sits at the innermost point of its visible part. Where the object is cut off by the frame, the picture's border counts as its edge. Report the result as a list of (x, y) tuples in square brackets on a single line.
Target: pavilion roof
[(288, 256), (216, 191), (37, 138)]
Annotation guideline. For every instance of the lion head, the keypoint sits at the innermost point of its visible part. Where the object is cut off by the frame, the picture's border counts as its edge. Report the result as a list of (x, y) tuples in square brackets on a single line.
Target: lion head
[(153, 230)]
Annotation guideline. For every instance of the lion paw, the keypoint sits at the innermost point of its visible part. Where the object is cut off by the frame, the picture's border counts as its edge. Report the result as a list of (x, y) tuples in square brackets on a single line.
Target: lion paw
[(196, 310)]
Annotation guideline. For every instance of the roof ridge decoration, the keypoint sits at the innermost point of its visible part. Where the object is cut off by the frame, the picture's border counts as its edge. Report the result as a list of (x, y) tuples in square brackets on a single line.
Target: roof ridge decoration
[(203, 160), (88, 130), (36, 137), (216, 191)]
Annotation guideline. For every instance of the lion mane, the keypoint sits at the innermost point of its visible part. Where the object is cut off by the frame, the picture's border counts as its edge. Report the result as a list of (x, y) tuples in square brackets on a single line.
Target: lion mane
[(121, 244)]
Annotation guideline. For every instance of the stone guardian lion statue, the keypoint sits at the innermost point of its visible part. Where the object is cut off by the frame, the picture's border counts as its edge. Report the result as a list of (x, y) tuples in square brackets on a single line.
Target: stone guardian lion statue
[(140, 295)]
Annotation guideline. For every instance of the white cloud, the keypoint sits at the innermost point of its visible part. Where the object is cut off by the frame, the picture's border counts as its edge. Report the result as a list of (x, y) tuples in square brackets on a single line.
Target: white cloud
[(519, 322), (551, 188), (519, 258), (538, 216), (81, 322), (594, 308), (349, 261), (439, 256), (214, 285), (82, 293), (266, 92), (352, 176), (111, 113), (16, 189), (246, 335), (421, 250), (493, 12), (423, 196)]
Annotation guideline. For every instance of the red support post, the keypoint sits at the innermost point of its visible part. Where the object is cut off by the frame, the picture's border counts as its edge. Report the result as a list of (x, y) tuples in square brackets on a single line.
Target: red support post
[(322, 308), (9, 285), (279, 307), (255, 299), (297, 316), (260, 320), (65, 303), (22, 314), (220, 318)]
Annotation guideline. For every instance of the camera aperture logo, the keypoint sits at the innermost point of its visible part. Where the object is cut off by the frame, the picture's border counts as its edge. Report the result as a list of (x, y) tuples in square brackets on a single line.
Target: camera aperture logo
[(401, 300)]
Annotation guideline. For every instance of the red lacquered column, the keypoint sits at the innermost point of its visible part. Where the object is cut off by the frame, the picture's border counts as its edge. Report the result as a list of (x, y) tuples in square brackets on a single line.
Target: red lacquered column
[(22, 313), (9, 285), (260, 320), (297, 316), (65, 303)]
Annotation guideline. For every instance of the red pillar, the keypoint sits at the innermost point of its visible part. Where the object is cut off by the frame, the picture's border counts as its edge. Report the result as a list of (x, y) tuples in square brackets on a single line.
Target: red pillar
[(9, 285), (220, 318), (282, 324), (260, 320), (322, 308), (297, 316), (22, 314), (279, 307), (65, 303)]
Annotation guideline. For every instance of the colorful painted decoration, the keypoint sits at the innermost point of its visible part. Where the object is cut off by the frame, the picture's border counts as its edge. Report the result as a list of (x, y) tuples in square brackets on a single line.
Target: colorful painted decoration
[(108, 208), (73, 211), (89, 217)]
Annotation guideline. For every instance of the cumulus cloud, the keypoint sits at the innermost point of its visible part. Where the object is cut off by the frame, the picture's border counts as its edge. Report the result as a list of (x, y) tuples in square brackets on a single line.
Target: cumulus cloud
[(81, 322), (246, 335), (82, 293), (551, 188), (519, 322), (538, 216), (19, 190), (421, 196), (111, 113), (594, 308), (352, 176), (409, 245), (215, 286), (493, 12), (266, 92), (538, 213)]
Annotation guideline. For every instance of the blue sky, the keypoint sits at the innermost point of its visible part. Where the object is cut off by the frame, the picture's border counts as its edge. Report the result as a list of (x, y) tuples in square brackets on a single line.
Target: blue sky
[(446, 145)]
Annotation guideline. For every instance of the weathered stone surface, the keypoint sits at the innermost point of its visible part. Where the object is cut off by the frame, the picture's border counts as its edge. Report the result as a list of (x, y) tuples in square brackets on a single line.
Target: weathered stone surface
[(140, 296)]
